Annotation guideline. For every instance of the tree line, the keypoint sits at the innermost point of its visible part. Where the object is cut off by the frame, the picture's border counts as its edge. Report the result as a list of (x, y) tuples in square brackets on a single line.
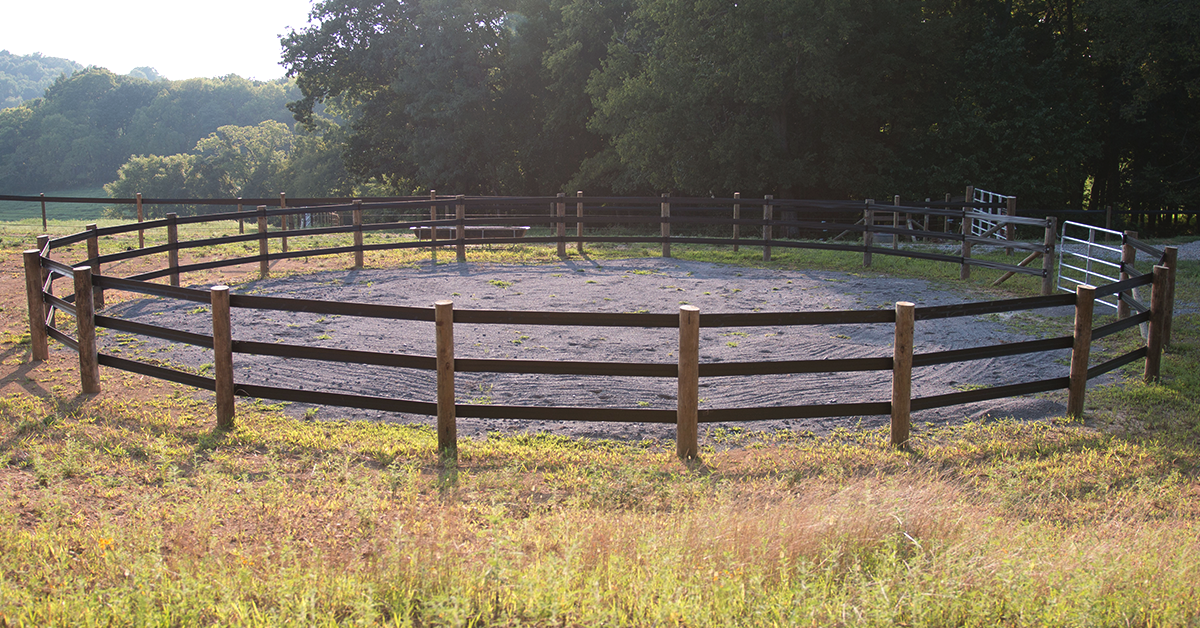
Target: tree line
[(1070, 104), (26, 77), (91, 122)]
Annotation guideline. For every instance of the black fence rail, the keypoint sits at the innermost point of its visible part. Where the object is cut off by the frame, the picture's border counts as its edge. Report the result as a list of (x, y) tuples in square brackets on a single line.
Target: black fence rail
[(599, 214), (456, 222)]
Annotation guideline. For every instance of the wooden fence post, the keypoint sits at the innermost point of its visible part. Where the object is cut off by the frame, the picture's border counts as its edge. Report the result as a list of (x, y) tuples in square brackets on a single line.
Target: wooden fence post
[(895, 222), (969, 200), (1010, 230), (1048, 258), (222, 331), (85, 326), (1128, 257), (173, 252), (1171, 260), (768, 230), (1085, 303), (358, 234), (283, 223), (868, 236), (432, 227), (579, 222), (902, 365), (141, 218), (447, 428), (1155, 338), (44, 227), (38, 343), (93, 247), (264, 264), (925, 223), (946, 219), (737, 215), (965, 271), (666, 226), (560, 210), (1158, 303), (460, 214), (241, 223), (688, 398)]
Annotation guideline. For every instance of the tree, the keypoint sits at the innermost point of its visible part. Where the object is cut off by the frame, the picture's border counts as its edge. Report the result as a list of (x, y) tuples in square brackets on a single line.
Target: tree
[(315, 167), (434, 94), (25, 77), (89, 123), (243, 160), (775, 96), (15, 171), (172, 176), (1065, 103), (1145, 64), (231, 162), (1013, 115), (147, 73), (79, 133)]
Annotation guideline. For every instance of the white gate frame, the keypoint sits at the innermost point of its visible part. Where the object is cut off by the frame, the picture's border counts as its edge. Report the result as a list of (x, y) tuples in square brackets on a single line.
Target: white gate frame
[(1098, 263), (980, 226)]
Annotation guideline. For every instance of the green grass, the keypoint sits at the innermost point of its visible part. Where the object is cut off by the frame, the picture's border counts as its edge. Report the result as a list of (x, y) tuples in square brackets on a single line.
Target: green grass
[(139, 514), (31, 211), (132, 511)]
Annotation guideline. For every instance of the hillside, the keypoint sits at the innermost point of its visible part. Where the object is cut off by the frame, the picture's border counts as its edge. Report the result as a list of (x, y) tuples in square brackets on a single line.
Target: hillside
[(25, 77)]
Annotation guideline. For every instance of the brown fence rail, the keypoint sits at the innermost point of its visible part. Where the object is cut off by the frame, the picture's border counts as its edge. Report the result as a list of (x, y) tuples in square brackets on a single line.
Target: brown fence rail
[(89, 286)]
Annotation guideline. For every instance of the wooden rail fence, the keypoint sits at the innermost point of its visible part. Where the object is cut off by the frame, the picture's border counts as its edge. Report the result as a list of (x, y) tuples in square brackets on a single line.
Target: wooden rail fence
[(89, 286)]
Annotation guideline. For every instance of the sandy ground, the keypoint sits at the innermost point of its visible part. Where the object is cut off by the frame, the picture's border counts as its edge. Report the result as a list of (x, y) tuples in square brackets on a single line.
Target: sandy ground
[(654, 285)]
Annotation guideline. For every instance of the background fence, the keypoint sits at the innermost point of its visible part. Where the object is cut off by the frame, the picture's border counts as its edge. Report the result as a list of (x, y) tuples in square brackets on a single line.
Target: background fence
[(1161, 222), (663, 221)]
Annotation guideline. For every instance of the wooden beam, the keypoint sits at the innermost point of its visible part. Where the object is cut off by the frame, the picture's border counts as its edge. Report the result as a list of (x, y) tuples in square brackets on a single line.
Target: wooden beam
[(688, 399), (1085, 304), (447, 427), (902, 364)]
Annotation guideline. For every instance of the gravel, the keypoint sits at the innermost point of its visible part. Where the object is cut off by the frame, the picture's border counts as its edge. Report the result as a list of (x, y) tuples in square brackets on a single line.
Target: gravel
[(653, 285)]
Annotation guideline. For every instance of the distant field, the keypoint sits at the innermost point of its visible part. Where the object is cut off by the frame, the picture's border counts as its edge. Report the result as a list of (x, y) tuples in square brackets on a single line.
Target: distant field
[(15, 211)]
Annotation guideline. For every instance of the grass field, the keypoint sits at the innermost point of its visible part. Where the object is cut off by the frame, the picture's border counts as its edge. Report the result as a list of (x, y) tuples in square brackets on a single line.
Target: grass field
[(127, 508), (31, 212)]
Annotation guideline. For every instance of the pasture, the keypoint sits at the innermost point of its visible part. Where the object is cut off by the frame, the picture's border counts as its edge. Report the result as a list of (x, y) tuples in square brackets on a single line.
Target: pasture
[(127, 507)]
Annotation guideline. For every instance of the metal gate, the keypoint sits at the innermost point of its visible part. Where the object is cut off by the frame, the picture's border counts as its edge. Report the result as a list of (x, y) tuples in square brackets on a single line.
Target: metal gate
[(1083, 260), (982, 227), (1096, 256)]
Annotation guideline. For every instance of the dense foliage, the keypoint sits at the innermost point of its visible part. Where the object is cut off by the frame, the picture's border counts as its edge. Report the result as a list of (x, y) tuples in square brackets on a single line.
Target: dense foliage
[(1074, 104), (236, 161), (89, 123), (25, 77), (1068, 104)]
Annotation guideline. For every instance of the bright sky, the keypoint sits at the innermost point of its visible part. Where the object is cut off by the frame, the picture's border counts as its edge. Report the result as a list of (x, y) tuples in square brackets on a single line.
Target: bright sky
[(206, 38)]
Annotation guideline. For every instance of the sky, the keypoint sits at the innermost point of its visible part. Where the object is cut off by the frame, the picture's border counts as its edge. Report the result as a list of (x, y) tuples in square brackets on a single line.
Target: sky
[(181, 40)]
